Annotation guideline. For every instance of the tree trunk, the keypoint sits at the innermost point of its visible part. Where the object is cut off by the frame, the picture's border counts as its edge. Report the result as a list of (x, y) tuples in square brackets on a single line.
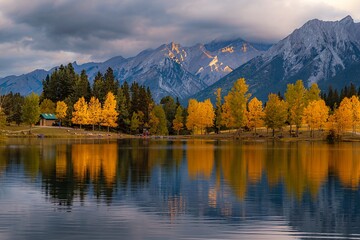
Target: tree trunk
[(108, 128), (297, 131), (273, 132), (93, 127)]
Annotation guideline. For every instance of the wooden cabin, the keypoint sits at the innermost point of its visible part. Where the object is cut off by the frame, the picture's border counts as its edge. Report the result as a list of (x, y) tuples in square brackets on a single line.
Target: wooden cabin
[(47, 119)]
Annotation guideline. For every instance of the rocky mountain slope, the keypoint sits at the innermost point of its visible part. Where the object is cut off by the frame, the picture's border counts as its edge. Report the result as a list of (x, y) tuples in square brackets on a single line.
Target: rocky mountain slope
[(322, 52), (171, 69)]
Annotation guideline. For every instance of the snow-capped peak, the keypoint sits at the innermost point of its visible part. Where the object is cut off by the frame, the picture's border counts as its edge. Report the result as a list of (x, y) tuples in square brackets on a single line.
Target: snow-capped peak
[(327, 46)]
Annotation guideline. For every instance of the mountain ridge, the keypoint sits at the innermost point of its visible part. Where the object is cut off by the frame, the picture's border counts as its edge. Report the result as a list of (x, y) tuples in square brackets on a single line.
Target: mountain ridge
[(192, 68), (318, 52)]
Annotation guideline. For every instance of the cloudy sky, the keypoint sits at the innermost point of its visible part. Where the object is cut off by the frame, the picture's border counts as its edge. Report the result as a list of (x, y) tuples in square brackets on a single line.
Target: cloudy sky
[(42, 33)]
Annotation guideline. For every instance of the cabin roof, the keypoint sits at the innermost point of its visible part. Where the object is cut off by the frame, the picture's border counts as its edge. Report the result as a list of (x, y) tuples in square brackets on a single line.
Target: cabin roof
[(48, 116)]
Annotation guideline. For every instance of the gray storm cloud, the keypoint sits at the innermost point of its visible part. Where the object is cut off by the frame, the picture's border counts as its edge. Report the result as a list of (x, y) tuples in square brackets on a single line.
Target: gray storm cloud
[(41, 34)]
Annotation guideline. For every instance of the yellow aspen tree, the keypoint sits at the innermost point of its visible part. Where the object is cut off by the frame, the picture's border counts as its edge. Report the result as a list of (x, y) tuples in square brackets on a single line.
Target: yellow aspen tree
[(192, 119), (275, 112), (109, 113), (255, 114), (295, 99), (341, 120), (178, 122), (316, 115), (95, 112), (238, 97), (207, 114), (227, 117), (355, 107), (80, 114), (61, 110)]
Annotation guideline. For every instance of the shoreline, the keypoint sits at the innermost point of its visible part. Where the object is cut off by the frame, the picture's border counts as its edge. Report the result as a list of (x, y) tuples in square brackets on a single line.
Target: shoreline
[(262, 136)]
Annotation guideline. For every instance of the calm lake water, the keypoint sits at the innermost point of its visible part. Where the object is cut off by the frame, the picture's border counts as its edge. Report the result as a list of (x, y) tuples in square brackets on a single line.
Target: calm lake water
[(194, 189)]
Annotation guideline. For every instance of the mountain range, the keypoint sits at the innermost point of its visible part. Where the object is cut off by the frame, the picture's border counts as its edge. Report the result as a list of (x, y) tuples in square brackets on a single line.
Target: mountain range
[(322, 52), (170, 69)]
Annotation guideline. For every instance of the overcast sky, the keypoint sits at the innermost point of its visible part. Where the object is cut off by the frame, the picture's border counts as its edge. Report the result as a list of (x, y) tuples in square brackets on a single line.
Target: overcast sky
[(45, 33)]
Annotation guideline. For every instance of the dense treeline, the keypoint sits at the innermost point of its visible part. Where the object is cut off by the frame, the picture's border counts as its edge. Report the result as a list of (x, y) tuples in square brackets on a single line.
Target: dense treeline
[(300, 106), (131, 109), (126, 108), (333, 97)]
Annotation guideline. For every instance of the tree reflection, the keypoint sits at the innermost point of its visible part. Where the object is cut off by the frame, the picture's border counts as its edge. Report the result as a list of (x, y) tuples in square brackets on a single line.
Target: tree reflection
[(69, 170), (200, 158)]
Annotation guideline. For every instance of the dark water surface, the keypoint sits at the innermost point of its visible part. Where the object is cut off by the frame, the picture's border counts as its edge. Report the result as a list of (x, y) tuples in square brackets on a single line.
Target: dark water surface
[(194, 189)]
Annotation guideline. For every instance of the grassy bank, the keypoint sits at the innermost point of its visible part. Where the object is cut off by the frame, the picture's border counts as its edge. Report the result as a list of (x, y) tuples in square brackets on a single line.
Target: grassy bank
[(56, 132), (261, 134)]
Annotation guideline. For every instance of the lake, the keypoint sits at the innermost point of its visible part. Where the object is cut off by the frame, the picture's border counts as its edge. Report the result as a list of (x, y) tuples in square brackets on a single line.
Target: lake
[(178, 189)]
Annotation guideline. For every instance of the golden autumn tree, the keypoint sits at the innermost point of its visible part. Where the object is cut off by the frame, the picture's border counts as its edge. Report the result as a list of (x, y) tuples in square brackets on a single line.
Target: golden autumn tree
[(316, 115), (227, 118), (237, 99), (109, 113), (342, 118), (201, 115), (191, 121), (61, 110), (295, 99), (355, 108), (80, 114), (255, 114), (275, 112), (207, 114), (178, 122), (95, 112)]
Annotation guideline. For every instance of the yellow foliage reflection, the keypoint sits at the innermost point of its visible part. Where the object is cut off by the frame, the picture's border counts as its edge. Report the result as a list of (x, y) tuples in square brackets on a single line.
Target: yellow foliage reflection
[(94, 159), (200, 158), (346, 164), (301, 167), (234, 170), (240, 165)]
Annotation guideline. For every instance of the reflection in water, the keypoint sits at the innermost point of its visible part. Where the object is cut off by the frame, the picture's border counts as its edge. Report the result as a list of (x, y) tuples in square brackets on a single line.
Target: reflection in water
[(302, 182), (94, 161), (200, 158), (300, 166)]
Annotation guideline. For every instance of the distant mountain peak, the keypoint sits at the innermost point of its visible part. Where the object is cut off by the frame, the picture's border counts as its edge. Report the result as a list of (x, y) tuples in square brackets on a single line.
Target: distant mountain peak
[(347, 20)]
